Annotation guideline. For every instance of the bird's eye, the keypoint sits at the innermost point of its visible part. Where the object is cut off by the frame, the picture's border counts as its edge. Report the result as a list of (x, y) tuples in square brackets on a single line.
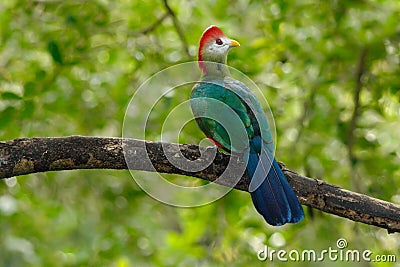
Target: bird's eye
[(218, 41)]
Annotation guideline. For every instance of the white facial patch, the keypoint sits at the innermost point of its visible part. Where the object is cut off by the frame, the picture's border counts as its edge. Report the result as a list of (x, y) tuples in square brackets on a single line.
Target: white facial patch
[(220, 49)]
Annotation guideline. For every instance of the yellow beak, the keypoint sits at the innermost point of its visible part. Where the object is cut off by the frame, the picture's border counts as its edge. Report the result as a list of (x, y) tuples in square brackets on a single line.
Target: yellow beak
[(234, 43)]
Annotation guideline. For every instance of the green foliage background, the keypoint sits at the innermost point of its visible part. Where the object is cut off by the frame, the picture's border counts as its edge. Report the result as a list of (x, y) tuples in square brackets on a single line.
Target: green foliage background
[(70, 68)]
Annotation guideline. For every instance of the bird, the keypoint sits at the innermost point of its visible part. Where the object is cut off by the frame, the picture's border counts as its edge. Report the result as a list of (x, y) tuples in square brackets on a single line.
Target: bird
[(231, 116)]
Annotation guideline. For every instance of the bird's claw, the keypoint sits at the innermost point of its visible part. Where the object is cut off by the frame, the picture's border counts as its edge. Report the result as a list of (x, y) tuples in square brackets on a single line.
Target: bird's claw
[(282, 165), (212, 148)]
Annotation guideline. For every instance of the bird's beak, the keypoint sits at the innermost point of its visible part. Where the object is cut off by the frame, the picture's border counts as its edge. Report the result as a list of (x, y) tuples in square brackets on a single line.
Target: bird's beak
[(234, 43)]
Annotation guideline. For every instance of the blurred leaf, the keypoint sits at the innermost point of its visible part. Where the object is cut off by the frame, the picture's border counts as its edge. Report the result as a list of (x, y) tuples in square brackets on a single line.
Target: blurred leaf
[(54, 50), (10, 96), (6, 116)]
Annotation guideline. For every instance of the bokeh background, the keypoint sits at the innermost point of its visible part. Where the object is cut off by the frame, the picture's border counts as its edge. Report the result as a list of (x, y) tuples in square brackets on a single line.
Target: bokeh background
[(329, 69)]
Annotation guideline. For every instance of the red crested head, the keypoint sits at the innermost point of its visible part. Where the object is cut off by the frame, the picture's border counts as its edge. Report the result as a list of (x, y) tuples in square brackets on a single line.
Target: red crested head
[(209, 35), (214, 46)]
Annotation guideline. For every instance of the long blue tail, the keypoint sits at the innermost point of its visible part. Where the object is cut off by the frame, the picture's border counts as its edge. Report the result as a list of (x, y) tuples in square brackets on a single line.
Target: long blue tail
[(274, 199)]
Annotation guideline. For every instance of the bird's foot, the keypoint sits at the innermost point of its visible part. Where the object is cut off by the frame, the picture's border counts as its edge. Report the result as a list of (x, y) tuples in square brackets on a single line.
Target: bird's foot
[(212, 148), (209, 149), (282, 165)]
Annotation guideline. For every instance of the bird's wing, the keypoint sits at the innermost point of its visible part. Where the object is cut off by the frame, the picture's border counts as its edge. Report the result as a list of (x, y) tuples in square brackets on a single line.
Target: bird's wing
[(255, 112), (222, 115)]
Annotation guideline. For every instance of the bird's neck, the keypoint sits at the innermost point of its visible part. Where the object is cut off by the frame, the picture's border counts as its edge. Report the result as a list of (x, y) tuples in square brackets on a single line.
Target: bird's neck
[(213, 65)]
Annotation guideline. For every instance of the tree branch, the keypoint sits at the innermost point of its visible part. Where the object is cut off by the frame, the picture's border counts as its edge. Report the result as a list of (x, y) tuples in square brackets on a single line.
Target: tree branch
[(152, 26), (351, 138), (32, 155), (178, 28)]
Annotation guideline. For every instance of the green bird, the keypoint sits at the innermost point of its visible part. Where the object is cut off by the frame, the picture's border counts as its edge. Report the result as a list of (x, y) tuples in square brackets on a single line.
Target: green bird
[(232, 118)]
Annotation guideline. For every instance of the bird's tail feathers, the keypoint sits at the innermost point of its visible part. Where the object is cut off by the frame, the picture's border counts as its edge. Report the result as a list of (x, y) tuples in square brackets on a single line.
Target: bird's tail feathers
[(274, 199)]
